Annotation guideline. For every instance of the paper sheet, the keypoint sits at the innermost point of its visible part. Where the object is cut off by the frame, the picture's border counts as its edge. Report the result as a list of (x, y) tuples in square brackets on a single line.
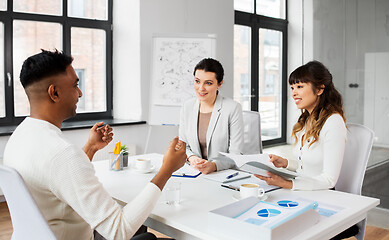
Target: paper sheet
[(186, 170), (240, 160), (272, 215), (258, 164), (221, 176)]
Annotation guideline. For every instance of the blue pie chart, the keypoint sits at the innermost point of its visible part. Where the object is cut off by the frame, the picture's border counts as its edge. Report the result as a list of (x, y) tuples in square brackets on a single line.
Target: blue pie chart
[(268, 212), (287, 203)]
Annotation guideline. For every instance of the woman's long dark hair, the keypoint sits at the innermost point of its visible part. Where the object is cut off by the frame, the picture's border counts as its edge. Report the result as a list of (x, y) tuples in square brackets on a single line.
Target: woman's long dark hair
[(330, 101)]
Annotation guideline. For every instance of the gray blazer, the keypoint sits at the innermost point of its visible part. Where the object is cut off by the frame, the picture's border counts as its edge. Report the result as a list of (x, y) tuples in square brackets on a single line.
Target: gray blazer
[(224, 134)]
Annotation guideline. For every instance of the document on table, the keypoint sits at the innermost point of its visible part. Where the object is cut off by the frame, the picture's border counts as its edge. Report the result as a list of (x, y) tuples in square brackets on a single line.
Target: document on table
[(258, 164), (186, 171), (272, 215), (226, 176)]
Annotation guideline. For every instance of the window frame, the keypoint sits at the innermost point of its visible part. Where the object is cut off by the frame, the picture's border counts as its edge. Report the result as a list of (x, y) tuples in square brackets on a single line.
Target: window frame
[(8, 16), (256, 22)]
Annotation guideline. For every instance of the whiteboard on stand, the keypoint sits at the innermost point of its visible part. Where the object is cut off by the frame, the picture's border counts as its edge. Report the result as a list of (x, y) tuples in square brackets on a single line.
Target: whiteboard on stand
[(173, 60)]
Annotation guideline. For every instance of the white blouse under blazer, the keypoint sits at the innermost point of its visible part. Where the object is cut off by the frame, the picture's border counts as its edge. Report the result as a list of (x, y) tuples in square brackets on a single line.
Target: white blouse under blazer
[(320, 163)]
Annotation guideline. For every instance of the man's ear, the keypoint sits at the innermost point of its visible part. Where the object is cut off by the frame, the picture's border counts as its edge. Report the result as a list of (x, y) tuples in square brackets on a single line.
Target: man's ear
[(53, 93)]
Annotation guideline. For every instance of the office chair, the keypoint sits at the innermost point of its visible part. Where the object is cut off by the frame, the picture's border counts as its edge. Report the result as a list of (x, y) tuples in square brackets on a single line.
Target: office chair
[(356, 154), (27, 220), (252, 132), (159, 137)]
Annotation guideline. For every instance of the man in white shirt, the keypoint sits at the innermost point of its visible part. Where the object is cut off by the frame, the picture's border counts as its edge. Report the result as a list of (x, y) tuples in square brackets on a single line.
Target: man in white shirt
[(59, 175)]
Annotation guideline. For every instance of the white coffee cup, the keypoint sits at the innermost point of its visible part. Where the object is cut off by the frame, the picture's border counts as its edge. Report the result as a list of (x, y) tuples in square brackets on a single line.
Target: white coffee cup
[(142, 164), (251, 190)]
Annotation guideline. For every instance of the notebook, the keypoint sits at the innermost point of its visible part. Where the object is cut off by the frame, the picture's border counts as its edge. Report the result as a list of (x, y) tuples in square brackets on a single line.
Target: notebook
[(223, 176), (186, 171)]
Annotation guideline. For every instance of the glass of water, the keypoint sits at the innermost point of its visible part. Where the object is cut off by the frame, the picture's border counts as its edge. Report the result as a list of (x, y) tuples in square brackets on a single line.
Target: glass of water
[(172, 193)]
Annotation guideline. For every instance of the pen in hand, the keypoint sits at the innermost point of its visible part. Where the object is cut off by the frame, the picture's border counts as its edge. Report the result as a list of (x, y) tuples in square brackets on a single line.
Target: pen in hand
[(232, 175)]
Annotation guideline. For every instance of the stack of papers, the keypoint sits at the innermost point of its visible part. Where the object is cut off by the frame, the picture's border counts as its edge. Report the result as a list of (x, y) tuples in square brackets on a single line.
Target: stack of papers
[(258, 164), (224, 176)]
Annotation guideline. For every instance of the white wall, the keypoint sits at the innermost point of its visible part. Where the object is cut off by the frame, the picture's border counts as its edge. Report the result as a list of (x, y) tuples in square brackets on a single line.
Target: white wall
[(126, 60), (295, 56)]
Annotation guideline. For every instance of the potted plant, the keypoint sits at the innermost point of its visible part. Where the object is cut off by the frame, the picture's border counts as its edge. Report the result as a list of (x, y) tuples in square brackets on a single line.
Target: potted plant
[(125, 155)]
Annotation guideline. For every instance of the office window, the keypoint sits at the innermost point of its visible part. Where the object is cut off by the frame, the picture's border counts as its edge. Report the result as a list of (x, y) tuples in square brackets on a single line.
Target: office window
[(52, 7), (244, 5), (242, 62), (27, 26), (269, 105), (28, 38), (81, 85), (2, 92), (271, 8), (88, 50), (262, 59), (92, 9), (3, 5)]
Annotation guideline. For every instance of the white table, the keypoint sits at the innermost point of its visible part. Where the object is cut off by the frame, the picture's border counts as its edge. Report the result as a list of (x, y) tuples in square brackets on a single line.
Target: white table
[(199, 196)]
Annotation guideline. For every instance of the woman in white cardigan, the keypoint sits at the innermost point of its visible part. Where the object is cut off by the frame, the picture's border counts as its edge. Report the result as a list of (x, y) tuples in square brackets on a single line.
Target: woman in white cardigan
[(210, 123), (319, 134)]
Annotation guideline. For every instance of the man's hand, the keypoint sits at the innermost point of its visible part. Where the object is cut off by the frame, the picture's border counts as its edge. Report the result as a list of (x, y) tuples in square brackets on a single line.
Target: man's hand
[(99, 137), (275, 180), (278, 161), (173, 160), (175, 156)]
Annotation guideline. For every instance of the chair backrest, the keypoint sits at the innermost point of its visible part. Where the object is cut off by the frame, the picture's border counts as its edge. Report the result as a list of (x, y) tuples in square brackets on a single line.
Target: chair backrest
[(252, 132), (356, 154), (159, 137), (27, 220)]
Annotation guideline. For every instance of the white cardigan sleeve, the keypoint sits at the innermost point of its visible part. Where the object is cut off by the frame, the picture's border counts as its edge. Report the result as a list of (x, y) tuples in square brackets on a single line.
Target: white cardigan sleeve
[(73, 181), (333, 139)]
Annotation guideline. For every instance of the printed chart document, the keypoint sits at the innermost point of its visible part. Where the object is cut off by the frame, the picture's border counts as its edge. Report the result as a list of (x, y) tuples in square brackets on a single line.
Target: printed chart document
[(258, 164), (278, 219), (272, 215), (186, 171), (226, 176)]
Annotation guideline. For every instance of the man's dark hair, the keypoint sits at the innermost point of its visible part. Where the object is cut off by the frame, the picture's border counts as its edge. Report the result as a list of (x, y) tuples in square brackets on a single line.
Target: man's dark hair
[(43, 65), (211, 65)]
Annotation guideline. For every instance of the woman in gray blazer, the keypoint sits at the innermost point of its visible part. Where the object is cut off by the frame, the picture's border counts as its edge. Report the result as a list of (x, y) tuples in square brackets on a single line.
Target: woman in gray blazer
[(210, 123)]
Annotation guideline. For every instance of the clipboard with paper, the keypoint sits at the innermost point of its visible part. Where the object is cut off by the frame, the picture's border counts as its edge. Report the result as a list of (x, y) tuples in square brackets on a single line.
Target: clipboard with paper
[(258, 164), (186, 171)]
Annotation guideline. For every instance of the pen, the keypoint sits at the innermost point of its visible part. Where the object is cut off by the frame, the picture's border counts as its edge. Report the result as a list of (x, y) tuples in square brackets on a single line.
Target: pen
[(232, 175), (230, 187)]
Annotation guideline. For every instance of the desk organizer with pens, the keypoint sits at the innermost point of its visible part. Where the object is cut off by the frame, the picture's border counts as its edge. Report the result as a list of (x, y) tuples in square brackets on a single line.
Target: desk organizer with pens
[(251, 218), (116, 161), (116, 158)]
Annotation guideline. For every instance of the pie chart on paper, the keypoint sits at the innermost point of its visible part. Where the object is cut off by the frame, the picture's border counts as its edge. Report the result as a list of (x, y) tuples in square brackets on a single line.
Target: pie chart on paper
[(268, 212), (287, 203)]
